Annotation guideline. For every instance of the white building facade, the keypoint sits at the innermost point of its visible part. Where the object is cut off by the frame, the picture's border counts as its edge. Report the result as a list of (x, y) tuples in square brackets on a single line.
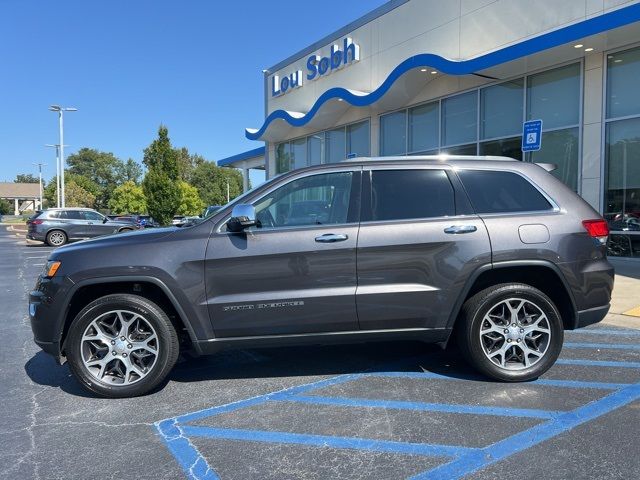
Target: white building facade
[(460, 77)]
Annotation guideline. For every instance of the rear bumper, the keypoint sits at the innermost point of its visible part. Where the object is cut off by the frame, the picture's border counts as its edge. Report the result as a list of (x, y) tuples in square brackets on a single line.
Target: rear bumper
[(592, 315)]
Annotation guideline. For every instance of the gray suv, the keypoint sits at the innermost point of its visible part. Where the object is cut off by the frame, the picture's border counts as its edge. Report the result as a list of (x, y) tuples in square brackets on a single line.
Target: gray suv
[(494, 252), (57, 226)]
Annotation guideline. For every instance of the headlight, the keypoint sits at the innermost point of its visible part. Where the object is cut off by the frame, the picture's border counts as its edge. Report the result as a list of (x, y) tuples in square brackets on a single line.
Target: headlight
[(50, 269)]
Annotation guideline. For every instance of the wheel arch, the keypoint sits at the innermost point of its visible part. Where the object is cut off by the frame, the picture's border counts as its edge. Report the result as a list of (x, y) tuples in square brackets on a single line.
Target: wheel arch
[(540, 274), (148, 287)]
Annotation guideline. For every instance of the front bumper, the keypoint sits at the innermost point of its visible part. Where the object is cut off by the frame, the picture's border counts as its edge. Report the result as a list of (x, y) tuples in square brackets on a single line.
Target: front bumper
[(47, 311)]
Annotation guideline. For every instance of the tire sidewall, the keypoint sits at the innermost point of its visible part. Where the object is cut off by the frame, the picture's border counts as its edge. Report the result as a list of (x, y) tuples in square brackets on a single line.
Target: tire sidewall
[(167, 344), (486, 304)]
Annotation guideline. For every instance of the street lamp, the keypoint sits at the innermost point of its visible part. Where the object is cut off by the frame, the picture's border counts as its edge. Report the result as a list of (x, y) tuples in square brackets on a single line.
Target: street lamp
[(57, 147), (61, 110), (39, 165)]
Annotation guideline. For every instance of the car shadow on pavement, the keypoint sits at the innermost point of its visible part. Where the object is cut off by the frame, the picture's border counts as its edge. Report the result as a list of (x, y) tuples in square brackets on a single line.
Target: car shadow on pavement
[(283, 362), (43, 370), (325, 360)]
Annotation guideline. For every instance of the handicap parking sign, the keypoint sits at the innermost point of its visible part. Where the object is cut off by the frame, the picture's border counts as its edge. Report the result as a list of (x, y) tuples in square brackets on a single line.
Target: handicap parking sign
[(531, 135)]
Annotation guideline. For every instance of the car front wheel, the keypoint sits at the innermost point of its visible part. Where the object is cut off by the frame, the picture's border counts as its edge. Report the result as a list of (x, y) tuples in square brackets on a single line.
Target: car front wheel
[(511, 332), (121, 346)]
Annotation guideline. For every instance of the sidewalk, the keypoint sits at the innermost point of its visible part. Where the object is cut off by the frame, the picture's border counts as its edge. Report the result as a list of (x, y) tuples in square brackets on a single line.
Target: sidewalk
[(625, 301)]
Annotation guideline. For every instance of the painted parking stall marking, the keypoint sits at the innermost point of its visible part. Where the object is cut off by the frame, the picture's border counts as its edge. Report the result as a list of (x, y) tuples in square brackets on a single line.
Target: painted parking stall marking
[(593, 399)]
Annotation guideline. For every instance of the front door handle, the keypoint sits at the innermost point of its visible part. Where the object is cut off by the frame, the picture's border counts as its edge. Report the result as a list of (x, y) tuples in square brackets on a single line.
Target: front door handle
[(456, 229), (332, 238)]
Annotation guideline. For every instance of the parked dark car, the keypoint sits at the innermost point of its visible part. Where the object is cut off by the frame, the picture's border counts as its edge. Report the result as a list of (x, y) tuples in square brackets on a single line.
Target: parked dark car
[(57, 226), (498, 252), (143, 221)]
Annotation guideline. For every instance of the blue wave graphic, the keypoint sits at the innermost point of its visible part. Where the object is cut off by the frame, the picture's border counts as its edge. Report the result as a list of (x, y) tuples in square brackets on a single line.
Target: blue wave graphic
[(592, 26)]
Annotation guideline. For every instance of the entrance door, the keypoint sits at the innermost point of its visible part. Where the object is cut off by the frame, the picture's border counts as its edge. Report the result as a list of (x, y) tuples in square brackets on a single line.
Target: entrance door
[(296, 272)]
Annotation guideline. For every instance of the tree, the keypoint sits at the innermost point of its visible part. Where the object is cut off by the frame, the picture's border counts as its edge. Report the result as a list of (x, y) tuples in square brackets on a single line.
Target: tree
[(190, 201), (187, 163), (104, 169), (26, 178), (76, 196), (5, 207), (128, 198), (160, 184), (130, 171), (90, 186), (211, 182)]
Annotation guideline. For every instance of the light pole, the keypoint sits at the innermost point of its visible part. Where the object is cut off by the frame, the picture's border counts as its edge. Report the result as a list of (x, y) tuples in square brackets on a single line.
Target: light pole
[(57, 147), (61, 110), (39, 165)]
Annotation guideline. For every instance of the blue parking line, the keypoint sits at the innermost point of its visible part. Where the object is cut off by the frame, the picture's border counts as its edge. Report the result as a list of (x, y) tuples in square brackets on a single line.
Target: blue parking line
[(606, 346), (328, 441), (597, 363), (540, 381), (420, 406), (193, 464), (603, 331), (230, 407), (476, 460)]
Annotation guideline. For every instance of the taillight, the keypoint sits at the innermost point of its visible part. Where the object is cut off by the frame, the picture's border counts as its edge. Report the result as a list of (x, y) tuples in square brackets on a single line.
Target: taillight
[(35, 222), (598, 229)]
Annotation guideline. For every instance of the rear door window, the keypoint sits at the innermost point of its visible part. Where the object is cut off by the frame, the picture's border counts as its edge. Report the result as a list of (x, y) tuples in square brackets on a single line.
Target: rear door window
[(502, 192), (410, 194), (73, 215)]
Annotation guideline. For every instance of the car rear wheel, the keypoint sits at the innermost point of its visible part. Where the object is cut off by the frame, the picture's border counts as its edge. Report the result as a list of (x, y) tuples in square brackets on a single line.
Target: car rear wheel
[(56, 238), (121, 346), (511, 332)]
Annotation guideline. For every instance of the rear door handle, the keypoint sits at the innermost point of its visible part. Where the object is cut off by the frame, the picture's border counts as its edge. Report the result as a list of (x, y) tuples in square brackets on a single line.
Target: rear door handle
[(332, 238), (456, 229)]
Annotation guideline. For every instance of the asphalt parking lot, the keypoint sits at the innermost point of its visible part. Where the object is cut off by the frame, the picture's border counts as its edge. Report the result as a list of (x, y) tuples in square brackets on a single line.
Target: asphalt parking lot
[(385, 411)]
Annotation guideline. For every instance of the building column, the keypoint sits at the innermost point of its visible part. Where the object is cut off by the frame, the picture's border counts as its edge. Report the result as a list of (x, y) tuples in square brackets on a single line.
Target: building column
[(16, 207), (245, 179), (592, 158), (375, 135)]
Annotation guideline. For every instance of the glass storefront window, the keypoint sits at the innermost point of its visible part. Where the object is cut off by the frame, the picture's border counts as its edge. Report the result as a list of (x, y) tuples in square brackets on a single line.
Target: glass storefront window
[(283, 158), (501, 109), (315, 148), (358, 139), (561, 147), (460, 119), (423, 127), (554, 97), (299, 152), (460, 150), (393, 133), (623, 71), (506, 147), (622, 187), (335, 150)]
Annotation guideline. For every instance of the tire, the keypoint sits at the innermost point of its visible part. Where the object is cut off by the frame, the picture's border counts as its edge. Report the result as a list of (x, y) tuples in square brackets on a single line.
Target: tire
[(512, 347), (56, 238), (126, 229), (111, 367)]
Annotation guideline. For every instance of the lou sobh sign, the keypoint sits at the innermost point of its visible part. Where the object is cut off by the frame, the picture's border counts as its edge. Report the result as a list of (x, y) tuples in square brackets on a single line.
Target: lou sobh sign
[(317, 67)]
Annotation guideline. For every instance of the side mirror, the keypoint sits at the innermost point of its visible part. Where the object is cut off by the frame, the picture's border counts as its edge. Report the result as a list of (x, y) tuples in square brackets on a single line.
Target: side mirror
[(105, 220), (242, 216)]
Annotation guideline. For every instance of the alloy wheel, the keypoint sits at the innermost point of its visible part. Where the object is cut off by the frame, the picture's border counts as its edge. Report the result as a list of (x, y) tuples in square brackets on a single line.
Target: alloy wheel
[(56, 238), (515, 334), (119, 347)]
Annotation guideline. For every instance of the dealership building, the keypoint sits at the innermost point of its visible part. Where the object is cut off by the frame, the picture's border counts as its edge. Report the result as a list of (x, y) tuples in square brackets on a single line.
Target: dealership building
[(461, 77)]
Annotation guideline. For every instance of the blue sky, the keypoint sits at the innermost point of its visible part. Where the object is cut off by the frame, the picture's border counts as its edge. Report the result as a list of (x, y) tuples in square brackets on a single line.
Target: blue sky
[(194, 65)]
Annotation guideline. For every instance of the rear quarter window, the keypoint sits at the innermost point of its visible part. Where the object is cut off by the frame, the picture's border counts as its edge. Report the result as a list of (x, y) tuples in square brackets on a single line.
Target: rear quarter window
[(502, 192)]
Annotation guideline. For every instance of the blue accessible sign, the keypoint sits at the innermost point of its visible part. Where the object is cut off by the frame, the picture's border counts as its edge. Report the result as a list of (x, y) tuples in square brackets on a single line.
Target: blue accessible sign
[(531, 135)]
